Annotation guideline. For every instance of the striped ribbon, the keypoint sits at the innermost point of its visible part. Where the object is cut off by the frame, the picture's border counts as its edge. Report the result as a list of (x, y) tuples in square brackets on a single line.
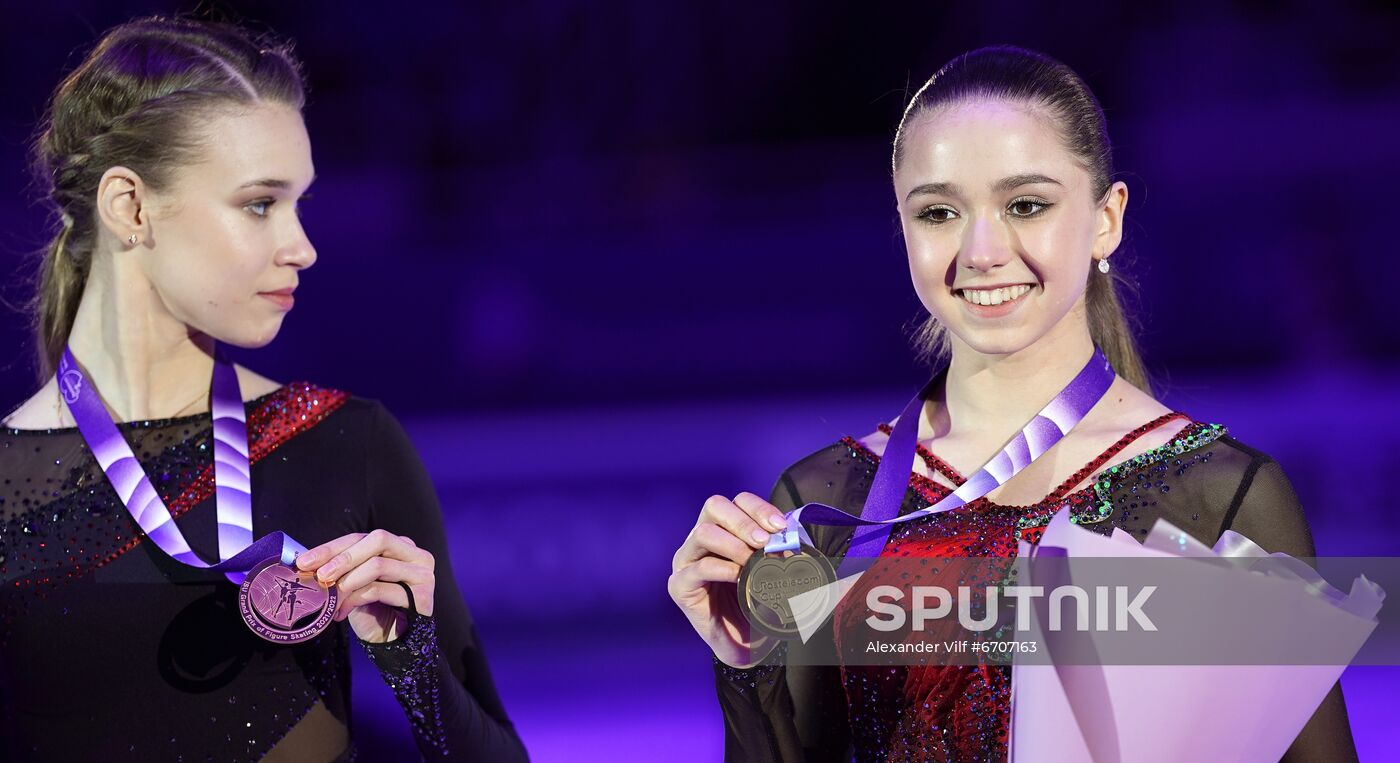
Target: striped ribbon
[(233, 501), (880, 513)]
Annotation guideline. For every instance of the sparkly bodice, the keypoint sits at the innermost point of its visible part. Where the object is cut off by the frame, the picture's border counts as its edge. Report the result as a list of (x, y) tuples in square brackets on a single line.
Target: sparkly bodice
[(800, 705), (101, 631)]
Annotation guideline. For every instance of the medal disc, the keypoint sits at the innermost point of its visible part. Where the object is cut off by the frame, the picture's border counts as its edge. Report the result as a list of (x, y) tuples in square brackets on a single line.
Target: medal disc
[(769, 582), (283, 604)]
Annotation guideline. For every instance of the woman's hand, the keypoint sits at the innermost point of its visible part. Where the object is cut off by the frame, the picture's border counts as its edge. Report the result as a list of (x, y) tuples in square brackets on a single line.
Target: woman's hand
[(367, 569), (706, 567)]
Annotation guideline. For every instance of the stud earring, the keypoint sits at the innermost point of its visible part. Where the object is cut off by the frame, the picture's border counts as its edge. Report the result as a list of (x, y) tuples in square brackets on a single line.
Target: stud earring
[(1103, 265), (131, 239)]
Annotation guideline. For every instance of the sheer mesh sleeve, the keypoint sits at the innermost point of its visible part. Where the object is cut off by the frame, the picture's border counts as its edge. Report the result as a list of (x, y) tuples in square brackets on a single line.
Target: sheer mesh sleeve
[(438, 670), (1266, 511), (1203, 482), (792, 707)]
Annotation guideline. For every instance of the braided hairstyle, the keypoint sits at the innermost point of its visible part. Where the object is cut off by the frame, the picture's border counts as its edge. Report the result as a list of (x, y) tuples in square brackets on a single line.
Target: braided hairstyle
[(137, 101)]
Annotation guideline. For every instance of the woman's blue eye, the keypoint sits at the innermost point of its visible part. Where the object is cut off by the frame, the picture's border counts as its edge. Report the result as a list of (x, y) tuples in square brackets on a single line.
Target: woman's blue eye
[(264, 204)]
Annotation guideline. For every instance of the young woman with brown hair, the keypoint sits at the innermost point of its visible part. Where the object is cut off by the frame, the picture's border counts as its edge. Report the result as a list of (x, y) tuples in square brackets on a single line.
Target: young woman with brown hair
[(1003, 180)]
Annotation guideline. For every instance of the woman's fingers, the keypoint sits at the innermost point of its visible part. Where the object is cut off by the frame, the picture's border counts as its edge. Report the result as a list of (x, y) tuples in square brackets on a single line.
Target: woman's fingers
[(391, 594), (312, 558), (761, 511), (730, 529), (348, 552), (384, 569), (372, 580), (711, 569), (716, 541), (730, 516)]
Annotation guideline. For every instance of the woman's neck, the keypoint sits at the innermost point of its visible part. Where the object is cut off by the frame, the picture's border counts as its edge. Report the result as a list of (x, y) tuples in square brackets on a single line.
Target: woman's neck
[(145, 363), (992, 396)]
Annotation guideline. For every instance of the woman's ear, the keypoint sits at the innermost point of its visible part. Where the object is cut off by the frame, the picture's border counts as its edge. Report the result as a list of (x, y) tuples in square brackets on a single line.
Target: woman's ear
[(1110, 229), (121, 196)]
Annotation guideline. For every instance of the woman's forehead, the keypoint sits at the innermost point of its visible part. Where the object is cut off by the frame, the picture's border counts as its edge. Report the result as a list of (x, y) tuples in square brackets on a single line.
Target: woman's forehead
[(976, 144), (268, 141)]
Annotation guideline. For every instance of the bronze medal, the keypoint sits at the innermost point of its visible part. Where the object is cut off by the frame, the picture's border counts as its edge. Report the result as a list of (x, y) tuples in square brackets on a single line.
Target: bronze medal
[(285, 605)]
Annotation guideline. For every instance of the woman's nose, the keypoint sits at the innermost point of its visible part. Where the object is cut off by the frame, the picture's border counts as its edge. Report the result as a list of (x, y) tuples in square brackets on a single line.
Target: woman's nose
[(984, 245), (299, 253)]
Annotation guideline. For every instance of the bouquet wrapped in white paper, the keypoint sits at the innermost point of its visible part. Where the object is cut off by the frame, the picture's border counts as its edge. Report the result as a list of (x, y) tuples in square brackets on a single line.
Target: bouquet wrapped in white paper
[(1141, 713)]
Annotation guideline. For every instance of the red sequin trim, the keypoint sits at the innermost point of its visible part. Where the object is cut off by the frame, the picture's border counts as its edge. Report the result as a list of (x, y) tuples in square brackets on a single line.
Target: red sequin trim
[(282, 415), (933, 490)]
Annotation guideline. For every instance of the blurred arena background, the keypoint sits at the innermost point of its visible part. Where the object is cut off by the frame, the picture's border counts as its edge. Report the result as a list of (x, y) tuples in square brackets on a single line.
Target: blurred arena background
[(606, 259)]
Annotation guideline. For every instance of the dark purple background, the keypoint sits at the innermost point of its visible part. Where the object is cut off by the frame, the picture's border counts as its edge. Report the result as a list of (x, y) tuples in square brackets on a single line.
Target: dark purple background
[(605, 259)]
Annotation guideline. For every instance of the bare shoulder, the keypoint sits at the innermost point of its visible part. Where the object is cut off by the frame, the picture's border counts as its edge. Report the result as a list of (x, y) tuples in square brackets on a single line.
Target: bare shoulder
[(42, 410), (38, 412), (876, 440), (253, 384), (1126, 408)]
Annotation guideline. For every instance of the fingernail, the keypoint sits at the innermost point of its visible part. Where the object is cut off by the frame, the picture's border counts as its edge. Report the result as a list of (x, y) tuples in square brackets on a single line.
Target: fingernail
[(325, 572), (759, 536), (305, 560), (778, 522)]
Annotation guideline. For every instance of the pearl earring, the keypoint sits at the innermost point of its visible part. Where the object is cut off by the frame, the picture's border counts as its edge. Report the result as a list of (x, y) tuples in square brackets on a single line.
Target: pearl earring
[(1103, 265)]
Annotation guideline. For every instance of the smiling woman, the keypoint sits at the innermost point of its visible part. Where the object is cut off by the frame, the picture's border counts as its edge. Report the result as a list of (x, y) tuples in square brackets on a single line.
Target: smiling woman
[(175, 156), (1003, 179)]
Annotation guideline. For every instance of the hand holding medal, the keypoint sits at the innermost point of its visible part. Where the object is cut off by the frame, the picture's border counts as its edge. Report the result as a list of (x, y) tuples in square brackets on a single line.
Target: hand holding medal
[(707, 565), (370, 572), (785, 588), (279, 601)]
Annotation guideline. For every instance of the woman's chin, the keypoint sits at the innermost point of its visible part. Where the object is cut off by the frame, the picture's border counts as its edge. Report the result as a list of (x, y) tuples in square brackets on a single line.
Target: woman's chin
[(249, 341), (994, 340)]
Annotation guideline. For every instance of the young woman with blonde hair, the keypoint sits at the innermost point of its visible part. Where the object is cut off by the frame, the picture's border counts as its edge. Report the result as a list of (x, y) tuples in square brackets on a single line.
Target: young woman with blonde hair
[(175, 155)]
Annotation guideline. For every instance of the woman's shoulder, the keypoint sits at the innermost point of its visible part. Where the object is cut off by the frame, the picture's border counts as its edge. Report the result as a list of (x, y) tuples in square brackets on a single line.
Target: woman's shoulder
[(356, 416), (44, 409), (304, 400), (39, 412), (822, 475), (329, 421)]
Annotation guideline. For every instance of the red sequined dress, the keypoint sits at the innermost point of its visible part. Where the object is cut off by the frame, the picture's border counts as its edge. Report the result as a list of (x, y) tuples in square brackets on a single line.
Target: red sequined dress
[(801, 704), (110, 650)]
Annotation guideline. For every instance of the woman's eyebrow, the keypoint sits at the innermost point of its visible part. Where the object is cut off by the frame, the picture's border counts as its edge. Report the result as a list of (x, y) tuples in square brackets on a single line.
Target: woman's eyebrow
[(1005, 184), (277, 183)]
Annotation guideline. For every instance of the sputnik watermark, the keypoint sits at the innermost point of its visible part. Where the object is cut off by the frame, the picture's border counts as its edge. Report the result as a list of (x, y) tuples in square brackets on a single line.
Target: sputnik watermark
[(934, 603)]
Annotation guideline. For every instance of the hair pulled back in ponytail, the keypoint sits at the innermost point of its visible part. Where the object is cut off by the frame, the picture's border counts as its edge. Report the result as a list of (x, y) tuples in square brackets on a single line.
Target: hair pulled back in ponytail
[(1015, 74), (136, 101)]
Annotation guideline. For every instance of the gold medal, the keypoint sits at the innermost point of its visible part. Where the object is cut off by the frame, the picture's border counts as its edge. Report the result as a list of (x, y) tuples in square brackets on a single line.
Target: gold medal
[(768, 583)]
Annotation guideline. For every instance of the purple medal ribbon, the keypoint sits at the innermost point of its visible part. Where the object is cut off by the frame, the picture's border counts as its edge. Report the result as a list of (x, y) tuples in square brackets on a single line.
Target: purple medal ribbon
[(232, 476), (881, 510)]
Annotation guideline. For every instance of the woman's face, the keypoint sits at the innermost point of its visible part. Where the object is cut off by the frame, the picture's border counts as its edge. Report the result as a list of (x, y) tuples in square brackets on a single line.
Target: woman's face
[(226, 244), (995, 209)]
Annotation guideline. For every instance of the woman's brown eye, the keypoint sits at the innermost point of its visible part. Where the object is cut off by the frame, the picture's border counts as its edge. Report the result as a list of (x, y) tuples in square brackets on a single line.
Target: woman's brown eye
[(1028, 207), (937, 214)]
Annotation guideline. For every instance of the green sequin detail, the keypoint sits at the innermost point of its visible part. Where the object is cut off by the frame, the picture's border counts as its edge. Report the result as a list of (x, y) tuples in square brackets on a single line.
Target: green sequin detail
[(1102, 507)]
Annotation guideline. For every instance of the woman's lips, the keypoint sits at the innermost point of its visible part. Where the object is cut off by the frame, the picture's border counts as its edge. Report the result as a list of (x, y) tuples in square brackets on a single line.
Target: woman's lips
[(282, 299), (995, 311)]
